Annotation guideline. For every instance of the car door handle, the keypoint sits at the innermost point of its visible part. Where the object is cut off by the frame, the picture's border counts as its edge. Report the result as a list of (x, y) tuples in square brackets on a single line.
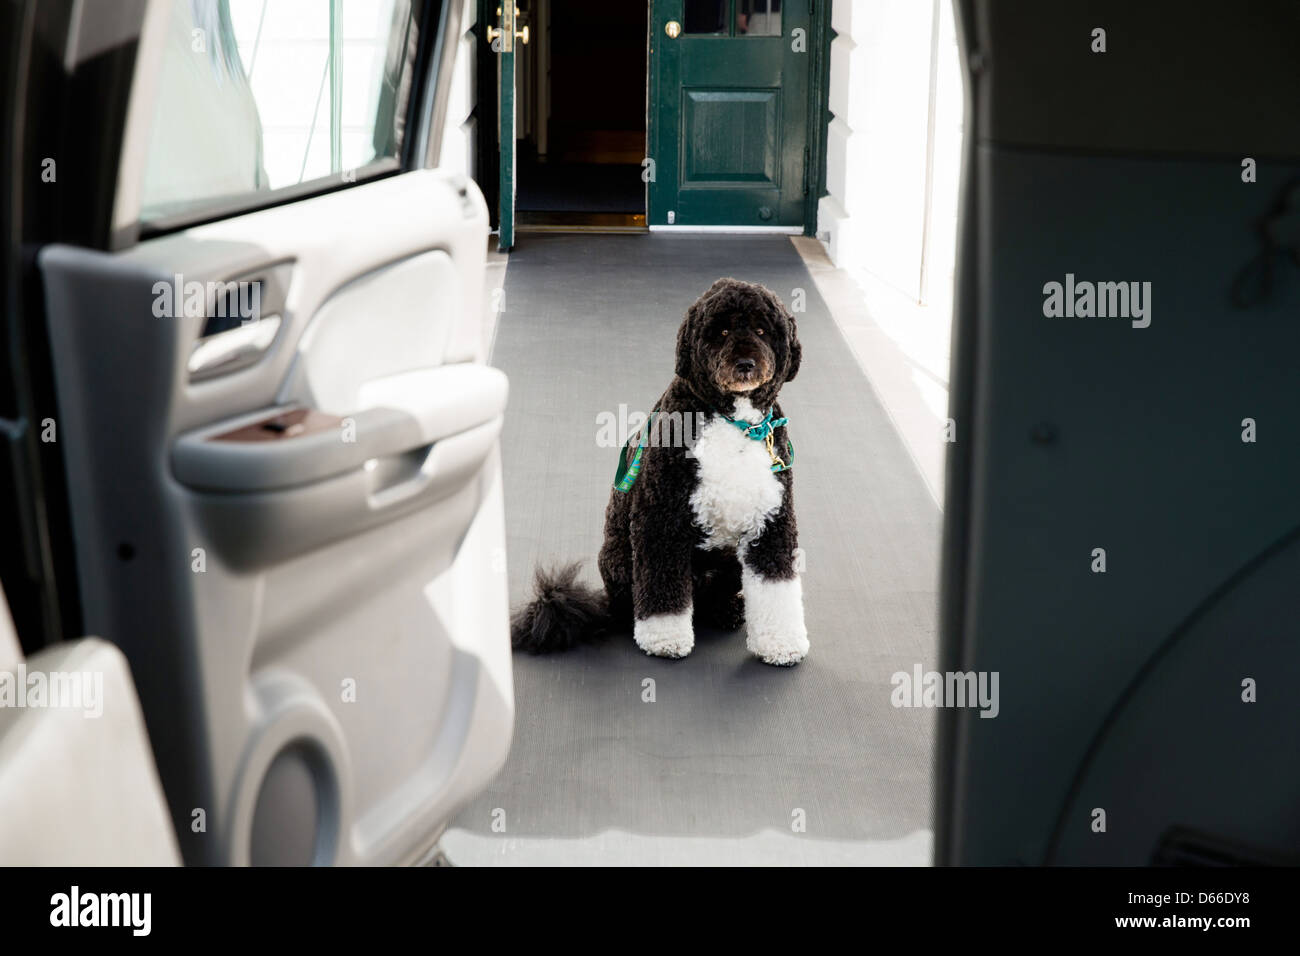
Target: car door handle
[(421, 471), (232, 349), (403, 415), (275, 484)]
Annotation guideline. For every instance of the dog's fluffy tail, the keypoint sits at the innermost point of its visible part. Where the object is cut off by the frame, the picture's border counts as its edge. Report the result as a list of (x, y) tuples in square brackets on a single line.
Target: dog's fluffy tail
[(563, 614)]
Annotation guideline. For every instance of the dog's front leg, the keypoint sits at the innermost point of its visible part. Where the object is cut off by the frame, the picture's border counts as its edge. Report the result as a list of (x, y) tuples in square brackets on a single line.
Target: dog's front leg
[(661, 584), (774, 620)]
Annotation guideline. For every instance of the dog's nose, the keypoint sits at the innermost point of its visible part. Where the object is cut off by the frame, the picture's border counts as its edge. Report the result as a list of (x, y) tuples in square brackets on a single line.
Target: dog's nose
[(745, 365)]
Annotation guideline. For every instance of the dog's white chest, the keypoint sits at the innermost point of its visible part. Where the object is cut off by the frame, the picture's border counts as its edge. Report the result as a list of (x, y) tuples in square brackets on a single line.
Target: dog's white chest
[(737, 493)]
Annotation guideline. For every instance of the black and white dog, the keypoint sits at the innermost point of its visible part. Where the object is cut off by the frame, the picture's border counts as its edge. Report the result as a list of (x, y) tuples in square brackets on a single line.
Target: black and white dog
[(702, 528)]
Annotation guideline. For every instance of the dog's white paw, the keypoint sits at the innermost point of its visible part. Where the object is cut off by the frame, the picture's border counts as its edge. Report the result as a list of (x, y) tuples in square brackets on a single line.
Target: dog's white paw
[(665, 635), (782, 650), (774, 619)]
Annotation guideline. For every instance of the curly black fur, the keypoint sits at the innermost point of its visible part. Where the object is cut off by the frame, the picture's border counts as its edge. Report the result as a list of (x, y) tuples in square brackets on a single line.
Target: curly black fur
[(736, 338), (563, 614)]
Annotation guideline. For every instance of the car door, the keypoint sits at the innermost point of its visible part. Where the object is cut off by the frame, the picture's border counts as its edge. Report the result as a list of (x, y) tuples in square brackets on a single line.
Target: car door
[(280, 432), (1122, 530)]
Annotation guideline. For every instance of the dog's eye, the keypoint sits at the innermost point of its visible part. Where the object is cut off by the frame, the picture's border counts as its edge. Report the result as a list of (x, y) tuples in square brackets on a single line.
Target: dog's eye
[(724, 333), (758, 331)]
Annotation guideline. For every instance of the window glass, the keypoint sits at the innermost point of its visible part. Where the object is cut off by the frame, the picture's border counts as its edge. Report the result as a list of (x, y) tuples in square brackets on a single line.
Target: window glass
[(704, 16), (758, 18), (259, 95)]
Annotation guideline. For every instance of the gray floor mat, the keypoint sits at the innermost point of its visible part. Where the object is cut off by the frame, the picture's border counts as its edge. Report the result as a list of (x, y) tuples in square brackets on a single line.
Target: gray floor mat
[(730, 748)]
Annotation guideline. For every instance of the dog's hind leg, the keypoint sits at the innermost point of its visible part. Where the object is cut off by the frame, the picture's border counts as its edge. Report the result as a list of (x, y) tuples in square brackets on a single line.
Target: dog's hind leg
[(773, 593), (615, 565), (615, 561)]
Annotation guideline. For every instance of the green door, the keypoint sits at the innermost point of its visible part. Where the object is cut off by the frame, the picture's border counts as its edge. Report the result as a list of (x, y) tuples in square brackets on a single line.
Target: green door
[(503, 40), (729, 100)]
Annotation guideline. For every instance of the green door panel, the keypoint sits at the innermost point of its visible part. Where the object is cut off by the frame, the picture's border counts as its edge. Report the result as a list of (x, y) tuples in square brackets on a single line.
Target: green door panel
[(731, 136), (729, 113)]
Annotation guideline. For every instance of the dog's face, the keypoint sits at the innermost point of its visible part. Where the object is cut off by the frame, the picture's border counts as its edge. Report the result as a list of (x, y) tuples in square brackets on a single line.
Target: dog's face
[(738, 339)]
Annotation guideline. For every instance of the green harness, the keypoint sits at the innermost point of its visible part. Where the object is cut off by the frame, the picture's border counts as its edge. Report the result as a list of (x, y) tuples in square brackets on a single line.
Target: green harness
[(629, 460)]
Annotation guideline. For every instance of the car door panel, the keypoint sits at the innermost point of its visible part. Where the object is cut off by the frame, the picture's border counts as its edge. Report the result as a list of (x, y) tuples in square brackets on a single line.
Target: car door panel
[(317, 619)]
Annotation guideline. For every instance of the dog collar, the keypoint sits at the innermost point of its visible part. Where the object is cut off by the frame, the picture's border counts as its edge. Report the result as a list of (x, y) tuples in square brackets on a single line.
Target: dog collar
[(765, 431), (762, 430)]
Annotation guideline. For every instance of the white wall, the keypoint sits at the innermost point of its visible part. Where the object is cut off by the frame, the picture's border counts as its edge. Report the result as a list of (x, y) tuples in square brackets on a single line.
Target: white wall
[(874, 217)]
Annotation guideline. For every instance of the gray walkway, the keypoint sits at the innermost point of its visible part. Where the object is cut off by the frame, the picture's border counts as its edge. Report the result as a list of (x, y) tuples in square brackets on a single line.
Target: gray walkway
[(731, 752)]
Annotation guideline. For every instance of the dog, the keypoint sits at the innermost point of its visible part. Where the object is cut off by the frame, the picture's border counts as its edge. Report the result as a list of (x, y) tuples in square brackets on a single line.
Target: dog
[(700, 529)]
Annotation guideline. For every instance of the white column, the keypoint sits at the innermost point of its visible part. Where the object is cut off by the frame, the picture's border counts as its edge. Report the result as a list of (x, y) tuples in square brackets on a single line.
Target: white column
[(877, 141)]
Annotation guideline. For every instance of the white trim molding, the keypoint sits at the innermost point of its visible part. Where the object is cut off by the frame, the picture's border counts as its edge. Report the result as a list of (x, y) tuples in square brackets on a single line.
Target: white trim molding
[(736, 230)]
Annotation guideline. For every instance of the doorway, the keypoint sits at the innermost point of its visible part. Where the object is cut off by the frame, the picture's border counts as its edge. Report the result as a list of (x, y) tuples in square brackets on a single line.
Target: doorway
[(664, 114), (736, 93), (581, 133)]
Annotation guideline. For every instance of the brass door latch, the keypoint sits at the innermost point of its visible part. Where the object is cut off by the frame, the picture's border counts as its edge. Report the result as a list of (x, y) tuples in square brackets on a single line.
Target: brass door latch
[(507, 32)]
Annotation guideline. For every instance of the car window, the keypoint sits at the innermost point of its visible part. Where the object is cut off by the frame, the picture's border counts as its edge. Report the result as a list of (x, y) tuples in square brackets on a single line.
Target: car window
[(257, 96)]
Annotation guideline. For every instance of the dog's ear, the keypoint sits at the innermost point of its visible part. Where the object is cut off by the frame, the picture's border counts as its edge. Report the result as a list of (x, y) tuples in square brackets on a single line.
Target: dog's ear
[(686, 339), (796, 350), (793, 349)]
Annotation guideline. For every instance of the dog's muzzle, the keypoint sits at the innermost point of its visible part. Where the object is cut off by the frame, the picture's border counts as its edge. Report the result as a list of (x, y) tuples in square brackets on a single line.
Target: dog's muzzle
[(744, 372)]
